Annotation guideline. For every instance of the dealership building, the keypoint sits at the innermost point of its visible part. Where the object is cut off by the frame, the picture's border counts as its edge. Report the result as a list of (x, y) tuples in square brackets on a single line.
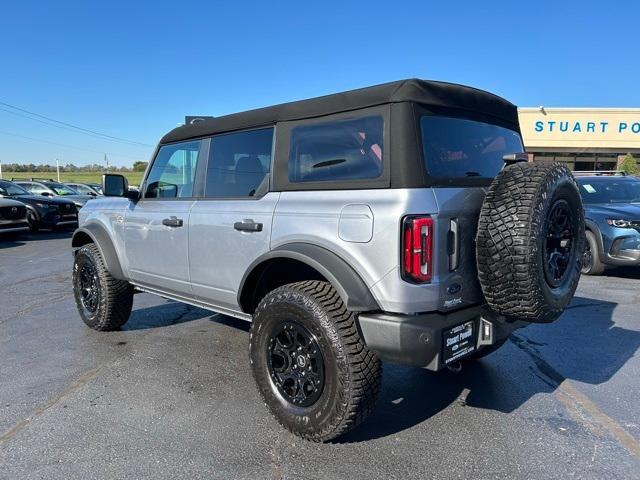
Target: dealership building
[(581, 138)]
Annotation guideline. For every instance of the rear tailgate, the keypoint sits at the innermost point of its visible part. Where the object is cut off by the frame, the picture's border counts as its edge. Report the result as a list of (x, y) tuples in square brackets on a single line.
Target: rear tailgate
[(457, 223)]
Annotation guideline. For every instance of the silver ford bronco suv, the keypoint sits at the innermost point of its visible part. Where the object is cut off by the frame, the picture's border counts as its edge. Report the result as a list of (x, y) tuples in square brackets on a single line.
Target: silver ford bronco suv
[(399, 222)]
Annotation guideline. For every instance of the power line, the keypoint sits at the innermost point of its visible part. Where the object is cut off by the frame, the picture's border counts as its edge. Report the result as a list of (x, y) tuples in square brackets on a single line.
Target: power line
[(65, 145), (46, 122), (75, 127)]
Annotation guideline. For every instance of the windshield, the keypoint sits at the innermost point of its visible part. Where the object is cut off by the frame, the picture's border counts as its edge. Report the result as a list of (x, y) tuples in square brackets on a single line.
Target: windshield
[(8, 188), (458, 148), (600, 190), (61, 189)]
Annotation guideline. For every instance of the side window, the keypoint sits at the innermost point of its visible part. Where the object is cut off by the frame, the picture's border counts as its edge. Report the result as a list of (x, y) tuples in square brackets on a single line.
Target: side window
[(239, 163), (173, 171), (339, 150), (34, 188)]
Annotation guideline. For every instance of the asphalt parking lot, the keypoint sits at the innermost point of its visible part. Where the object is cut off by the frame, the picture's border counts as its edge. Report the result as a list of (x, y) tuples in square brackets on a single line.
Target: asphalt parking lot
[(171, 395)]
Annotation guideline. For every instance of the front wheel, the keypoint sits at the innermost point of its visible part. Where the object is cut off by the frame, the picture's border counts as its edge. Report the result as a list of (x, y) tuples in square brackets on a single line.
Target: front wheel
[(591, 263), (312, 368), (104, 303), (32, 221)]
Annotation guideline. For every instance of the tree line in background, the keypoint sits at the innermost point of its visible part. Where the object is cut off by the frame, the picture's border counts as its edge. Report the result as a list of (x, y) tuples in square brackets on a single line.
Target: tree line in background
[(70, 167)]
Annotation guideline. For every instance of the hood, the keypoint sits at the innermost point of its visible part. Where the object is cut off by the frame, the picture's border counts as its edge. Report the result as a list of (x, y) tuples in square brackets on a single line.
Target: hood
[(31, 199), (7, 202), (77, 199), (618, 211)]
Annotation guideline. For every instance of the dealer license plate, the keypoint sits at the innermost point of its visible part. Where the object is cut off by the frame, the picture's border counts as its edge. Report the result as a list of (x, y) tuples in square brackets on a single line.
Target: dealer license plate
[(458, 342)]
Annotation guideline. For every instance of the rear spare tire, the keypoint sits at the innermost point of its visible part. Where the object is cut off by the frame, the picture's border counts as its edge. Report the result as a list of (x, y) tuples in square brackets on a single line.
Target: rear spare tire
[(530, 241)]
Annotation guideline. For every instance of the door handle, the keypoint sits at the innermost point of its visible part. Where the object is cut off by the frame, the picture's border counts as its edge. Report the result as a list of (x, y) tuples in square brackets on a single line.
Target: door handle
[(248, 226), (173, 222)]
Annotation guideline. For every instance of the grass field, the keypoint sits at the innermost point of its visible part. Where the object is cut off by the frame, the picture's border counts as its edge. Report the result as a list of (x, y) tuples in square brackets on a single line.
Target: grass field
[(134, 178)]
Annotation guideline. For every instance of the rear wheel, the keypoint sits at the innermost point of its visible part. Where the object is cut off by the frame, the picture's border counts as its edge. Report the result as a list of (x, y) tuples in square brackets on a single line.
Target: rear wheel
[(104, 303), (315, 373), (591, 263)]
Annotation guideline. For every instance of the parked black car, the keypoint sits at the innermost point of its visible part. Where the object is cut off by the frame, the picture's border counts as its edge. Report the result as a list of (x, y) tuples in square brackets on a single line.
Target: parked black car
[(13, 217), (51, 188), (42, 211)]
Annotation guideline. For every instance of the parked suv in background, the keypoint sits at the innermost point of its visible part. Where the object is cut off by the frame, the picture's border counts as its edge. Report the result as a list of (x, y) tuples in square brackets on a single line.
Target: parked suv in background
[(13, 217), (612, 211), (374, 224), (50, 188), (83, 189), (42, 211)]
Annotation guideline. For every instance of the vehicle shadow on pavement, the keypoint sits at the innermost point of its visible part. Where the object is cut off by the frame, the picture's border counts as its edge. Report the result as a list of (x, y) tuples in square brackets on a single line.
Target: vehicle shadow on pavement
[(505, 380), (163, 315), (8, 241), (623, 272), (174, 313)]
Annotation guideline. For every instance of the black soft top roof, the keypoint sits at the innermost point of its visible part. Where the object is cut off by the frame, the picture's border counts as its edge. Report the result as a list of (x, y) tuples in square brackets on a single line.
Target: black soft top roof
[(425, 92)]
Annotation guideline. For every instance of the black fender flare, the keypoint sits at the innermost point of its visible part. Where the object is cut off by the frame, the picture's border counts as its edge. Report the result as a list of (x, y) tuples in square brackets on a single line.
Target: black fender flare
[(352, 289), (593, 228), (101, 238)]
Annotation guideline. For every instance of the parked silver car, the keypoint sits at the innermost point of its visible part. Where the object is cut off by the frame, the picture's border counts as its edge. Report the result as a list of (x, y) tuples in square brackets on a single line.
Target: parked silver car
[(375, 224)]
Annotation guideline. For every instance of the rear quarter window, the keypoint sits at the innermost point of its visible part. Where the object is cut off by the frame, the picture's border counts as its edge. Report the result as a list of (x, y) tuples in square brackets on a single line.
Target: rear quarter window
[(349, 149), (460, 148)]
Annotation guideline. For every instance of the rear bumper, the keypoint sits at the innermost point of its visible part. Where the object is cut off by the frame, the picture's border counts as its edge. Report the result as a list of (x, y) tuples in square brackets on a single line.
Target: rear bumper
[(416, 340)]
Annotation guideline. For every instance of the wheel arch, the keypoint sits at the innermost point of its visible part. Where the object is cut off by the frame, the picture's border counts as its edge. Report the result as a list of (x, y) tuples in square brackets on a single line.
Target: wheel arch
[(303, 261), (98, 235)]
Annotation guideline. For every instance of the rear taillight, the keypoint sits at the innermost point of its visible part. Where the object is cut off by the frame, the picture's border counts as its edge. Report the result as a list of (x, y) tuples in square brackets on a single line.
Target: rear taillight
[(417, 248)]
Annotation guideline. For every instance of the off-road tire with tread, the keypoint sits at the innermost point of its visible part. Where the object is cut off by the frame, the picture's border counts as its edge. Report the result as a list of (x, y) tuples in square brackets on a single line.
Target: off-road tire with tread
[(511, 241), (352, 372), (115, 297)]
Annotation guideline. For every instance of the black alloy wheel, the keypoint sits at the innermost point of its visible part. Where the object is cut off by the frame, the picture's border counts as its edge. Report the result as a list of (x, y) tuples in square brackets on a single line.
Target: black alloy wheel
[(296, 365), (587, 258), (559, 251), (89, 287)]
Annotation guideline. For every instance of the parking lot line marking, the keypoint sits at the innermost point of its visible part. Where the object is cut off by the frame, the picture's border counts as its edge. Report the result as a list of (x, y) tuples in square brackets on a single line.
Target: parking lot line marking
[(74, 386), (574, 400), (605, 421)]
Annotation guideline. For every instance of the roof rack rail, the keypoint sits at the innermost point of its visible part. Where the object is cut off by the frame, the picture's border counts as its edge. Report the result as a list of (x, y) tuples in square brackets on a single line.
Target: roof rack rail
[(599, 173)]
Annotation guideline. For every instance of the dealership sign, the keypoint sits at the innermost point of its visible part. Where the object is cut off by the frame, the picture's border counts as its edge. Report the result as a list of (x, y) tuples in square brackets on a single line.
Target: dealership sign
[(579, 126), (601, 128)]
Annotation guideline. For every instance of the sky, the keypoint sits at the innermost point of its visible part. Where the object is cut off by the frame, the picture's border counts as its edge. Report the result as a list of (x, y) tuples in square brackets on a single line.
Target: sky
[(133, 70)]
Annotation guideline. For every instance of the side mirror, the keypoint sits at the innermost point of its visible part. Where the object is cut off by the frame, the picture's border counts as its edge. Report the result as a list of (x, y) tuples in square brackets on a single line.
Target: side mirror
[(46, 194), (114, 185)]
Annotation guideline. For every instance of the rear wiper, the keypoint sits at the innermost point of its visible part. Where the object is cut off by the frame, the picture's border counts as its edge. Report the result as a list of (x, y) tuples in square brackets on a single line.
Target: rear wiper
[(329, 163), (472, 174)]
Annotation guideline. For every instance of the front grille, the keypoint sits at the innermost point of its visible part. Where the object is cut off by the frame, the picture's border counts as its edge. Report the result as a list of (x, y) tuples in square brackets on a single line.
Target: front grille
[(635, 224), (67, 211), (13, 213)]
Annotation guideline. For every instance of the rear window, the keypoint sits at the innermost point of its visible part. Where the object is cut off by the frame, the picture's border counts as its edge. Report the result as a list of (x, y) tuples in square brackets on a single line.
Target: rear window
[(339, 150), (459, 148)]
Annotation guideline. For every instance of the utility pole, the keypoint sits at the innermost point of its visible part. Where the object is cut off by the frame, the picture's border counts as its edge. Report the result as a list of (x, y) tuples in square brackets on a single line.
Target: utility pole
[(106, 160), (58, 169), (0, 169)]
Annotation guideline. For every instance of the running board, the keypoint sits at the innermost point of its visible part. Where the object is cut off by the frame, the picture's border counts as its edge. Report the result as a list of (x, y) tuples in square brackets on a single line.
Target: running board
[(195, 303)]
